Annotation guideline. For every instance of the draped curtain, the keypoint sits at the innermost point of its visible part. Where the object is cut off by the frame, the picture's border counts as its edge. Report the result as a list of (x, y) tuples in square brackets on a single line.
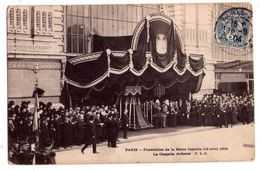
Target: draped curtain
[(113, 65)]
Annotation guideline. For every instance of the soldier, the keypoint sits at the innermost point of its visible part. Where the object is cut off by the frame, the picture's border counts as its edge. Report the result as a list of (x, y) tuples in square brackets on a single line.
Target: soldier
[(90, 135)]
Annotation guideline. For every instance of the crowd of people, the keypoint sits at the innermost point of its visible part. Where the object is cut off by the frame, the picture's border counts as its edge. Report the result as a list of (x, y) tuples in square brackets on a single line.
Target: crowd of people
[(212, 110), (59, 128), (90, 125)]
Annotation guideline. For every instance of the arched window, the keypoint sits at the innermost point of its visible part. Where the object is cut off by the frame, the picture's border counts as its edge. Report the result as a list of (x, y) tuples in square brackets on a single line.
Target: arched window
[(50, 21), (44, 25), (25, 19), (18, 18), (38, 21), (11, 18), (77, 38)]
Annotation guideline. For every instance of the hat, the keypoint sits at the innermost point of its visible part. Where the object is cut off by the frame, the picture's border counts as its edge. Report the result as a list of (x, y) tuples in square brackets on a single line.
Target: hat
[(25, 103), (10, 104), (49, 104)]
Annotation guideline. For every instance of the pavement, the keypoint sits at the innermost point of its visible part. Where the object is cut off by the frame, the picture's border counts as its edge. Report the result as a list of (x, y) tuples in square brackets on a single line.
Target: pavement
[(181, 144), (146, 134)]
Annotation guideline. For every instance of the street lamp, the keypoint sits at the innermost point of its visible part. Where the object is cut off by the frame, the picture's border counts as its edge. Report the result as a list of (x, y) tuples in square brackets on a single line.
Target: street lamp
[(35, 118)]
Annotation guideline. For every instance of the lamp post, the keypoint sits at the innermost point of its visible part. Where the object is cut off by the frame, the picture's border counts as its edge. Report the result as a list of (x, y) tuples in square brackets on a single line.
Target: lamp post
[(35, 118)]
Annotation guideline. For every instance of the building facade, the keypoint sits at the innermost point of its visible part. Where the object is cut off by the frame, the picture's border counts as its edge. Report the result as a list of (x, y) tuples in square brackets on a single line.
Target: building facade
[(197, 25), (47, 35), (35, 36)]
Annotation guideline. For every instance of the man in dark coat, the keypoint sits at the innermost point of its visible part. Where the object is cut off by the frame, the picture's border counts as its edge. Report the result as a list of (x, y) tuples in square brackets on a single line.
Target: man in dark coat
[(182, 112), (125, 123), (57, 127), (112, 130), (79, 130), (44, 134), (157, 113), (203, 114), (244, 114), (234, 113), (90, 136), (67, 133), (99, 128)]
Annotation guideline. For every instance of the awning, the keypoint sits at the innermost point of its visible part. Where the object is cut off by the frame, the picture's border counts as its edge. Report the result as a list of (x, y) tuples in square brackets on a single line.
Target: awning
[(234, 66)]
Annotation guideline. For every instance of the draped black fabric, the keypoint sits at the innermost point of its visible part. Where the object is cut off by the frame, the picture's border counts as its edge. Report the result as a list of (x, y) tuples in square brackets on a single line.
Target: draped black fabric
[(95, 78), (139, 55), (119, 62), (101, 43), (161, 60), (87, 72), (181, 57), (158, 28), (167, 79), (197, 64)]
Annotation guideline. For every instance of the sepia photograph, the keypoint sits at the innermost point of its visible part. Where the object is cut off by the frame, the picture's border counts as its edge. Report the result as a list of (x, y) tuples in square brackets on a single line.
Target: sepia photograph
[(130, 83)]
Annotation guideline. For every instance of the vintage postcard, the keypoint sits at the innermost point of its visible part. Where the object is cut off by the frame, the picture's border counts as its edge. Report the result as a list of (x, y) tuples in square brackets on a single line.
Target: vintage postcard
[(130, 83)]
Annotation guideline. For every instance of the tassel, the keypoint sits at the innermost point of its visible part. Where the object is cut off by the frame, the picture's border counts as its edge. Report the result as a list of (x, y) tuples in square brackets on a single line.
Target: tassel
[(131, 65), (148, 26), (108, 51)]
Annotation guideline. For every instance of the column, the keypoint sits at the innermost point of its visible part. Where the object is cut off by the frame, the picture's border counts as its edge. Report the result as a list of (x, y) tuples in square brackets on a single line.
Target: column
[(130, 113), (120, 107), (134, 103)]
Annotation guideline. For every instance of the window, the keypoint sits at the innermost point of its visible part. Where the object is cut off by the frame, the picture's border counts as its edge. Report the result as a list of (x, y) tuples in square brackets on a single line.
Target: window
[(11, 18), (250, 76), (44, 25), (38, 21), (77, 31), (107, 20), (50, 21), (18, 18), (25, 19), (218, 76)]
